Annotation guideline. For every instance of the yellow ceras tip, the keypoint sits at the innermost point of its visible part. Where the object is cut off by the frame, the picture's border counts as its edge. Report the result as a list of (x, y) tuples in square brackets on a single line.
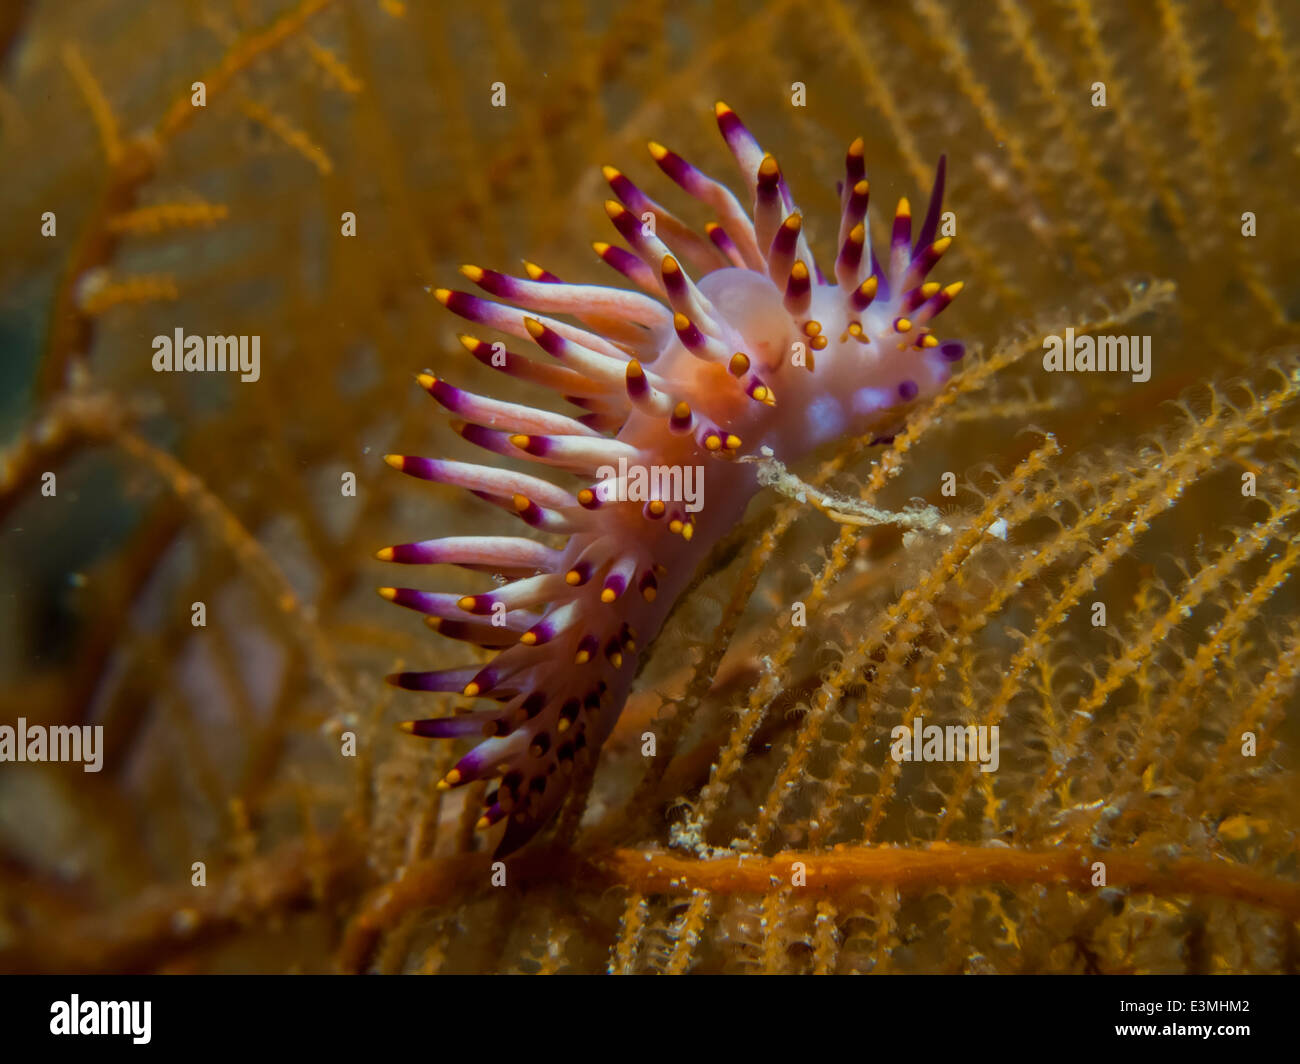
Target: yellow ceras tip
[(535, 328), (614, 209), (682, 410), (474, 273), (442, 295), (862, 188), (858, 234), (721, 109), (768, 167), (573, 578), (384, 554), (739, 364), (681, 321), (634, 369), (407, 726), (520, 440), (389, 593), (799, 272), (616, 659), (904, 209), (657, 150), (812, 328), (581, 658), (657, 507), (818, 343), (426, 380), (674, 526), (529, 639), (607, 595), (600, 247), (471, 690), (858, 147), (482, 823), (902, 325), (712, 442), (467, 603), (952, 290), (521, 502), (942, 244), (688, 532), (450, 780), (533, 270), (563, 725), (397, 461), (793, 223), (648, 593), (586, 496), (471, 343), (669, 265), (612, 173), (732, 441), (929, 340), (929, 288), (760, 393)]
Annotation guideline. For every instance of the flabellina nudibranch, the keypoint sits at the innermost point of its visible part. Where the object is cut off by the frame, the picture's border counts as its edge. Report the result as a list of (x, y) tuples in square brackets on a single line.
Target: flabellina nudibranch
[(737, 344)]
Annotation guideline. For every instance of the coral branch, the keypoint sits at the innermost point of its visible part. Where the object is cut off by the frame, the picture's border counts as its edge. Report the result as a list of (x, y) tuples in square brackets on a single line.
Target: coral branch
[(846, 871)]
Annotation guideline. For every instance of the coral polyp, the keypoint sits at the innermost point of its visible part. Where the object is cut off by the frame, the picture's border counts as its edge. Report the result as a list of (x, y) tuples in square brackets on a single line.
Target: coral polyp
[(737, 345)]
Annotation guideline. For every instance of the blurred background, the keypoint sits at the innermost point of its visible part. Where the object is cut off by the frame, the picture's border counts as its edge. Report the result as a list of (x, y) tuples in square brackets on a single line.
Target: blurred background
[(223, 743)]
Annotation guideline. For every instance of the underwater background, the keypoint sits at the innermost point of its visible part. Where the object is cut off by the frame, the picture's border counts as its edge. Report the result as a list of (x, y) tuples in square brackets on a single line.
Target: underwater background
[(1163, 207)]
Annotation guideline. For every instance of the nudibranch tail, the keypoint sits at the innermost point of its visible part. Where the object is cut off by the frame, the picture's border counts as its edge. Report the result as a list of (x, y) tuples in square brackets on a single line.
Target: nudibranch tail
[(735, 343)]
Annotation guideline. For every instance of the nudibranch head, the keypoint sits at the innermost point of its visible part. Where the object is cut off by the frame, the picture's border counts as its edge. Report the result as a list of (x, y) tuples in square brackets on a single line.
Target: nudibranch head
[(737, 341)]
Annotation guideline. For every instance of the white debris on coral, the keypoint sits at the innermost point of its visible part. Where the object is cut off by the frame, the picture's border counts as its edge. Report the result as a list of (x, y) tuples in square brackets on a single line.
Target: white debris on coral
[(772, 473)]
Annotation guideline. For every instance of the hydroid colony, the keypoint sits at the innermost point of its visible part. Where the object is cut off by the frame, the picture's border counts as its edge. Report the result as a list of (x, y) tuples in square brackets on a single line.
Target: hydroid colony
[(1120, 744)]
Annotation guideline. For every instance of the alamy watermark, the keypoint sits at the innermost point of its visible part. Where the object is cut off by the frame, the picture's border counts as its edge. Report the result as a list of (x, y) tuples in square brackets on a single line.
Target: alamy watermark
[(951, 742), (639, 483), (208, 354), (58, 742), (1098, 354), (102, 1017)]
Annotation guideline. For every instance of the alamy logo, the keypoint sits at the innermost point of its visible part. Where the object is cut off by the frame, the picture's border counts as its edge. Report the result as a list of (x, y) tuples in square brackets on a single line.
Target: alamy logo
[(208, 354), (102, 1017), (1098, 354), (639, 483), (58, 742), (953, 742)]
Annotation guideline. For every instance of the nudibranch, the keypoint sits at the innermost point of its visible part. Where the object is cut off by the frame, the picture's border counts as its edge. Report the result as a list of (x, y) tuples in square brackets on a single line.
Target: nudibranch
[(737, 344)]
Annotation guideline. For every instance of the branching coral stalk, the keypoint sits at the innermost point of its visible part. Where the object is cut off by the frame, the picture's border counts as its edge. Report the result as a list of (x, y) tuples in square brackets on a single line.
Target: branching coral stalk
[(219, 519), (1115, 546), (1142, 643), (1259, 716), (771, 473), (847, 871), (899, 625), (131, 164), (1224, 639)]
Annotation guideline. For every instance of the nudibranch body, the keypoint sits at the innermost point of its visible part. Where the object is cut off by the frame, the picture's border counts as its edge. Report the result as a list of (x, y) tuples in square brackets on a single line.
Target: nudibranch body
[(757, 352)]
